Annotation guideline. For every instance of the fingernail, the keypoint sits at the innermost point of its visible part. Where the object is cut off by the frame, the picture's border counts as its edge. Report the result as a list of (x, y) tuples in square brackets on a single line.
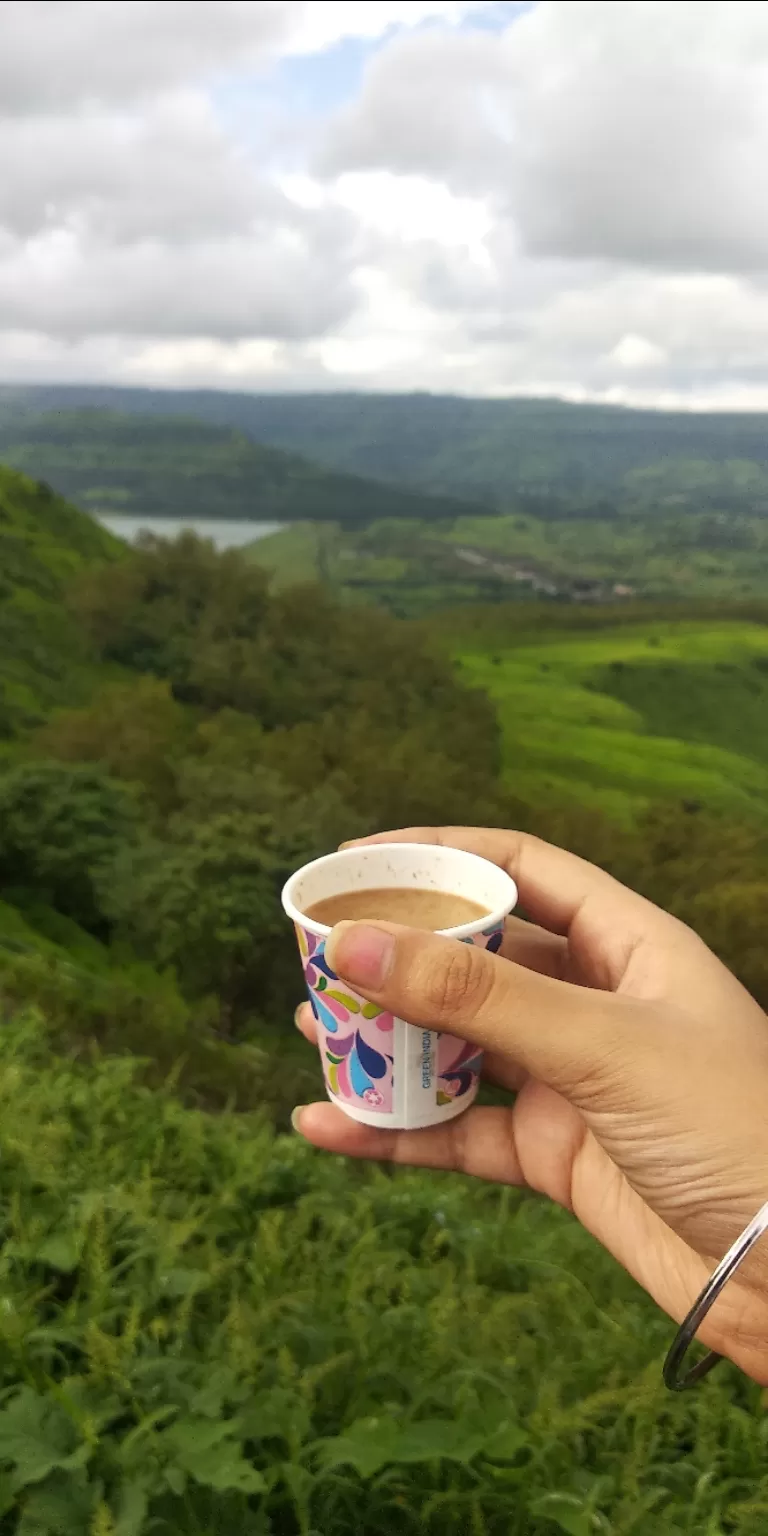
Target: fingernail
[(361, 954), (296, 1115), (297, 1016)]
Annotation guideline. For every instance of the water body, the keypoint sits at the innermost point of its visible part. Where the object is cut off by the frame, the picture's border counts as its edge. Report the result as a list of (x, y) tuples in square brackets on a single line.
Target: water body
[(226, 534)]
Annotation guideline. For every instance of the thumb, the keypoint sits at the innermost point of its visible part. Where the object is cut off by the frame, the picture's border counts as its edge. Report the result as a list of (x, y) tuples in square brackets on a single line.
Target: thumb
[(570, 1037)]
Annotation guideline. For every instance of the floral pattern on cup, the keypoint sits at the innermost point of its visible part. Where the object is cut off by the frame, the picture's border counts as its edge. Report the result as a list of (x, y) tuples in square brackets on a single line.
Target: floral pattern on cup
[(355, 1036), (459, 1063)]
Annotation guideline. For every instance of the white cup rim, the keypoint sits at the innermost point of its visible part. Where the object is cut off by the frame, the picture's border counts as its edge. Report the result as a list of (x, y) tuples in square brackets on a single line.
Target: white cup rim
[(492, 919)]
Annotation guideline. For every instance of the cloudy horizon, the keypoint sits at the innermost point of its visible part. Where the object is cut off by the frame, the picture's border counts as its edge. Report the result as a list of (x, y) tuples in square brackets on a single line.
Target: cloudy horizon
[(481, 197)]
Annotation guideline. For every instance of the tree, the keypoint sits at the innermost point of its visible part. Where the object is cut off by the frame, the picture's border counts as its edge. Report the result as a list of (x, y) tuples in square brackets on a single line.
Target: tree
[(206, 899), (135, 730), (169, 600), (60, 824)]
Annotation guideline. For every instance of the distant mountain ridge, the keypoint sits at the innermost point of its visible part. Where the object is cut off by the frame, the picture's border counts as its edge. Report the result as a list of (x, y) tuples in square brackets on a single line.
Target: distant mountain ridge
[(175, 466), (487, 450)]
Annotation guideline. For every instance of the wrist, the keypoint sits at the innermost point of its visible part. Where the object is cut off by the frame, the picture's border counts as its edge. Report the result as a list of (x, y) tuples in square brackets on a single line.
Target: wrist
[(737, 1329)]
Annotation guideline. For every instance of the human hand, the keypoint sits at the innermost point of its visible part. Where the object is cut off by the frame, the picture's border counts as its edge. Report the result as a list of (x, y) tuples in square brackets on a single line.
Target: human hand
[(639, 1063)]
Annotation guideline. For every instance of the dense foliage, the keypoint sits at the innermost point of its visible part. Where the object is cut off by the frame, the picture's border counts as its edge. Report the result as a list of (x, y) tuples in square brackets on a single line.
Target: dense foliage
[(206, 1327), (221, 735), (44, 544)]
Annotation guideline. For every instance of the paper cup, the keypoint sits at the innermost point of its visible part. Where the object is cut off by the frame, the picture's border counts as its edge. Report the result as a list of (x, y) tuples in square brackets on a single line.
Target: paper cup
[(379, 1069)]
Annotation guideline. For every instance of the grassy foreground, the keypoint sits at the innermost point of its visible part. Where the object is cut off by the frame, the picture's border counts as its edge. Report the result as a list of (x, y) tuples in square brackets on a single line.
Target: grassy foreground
[(207, 1328)]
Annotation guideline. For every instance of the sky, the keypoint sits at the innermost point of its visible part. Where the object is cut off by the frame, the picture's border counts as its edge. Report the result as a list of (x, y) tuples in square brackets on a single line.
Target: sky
[(465, 196)]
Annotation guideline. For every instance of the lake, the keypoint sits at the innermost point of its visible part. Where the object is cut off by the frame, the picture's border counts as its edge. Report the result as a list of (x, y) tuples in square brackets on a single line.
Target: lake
[(226, 534)]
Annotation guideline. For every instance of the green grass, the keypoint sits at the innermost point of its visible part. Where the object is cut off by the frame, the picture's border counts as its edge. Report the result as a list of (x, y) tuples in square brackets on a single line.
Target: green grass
[(44, 546), (418, 566), (655, 556), (30, 927), (328, 553), (722, 702), (632, 715), (616, 719), (292, 554), (207, 1329)]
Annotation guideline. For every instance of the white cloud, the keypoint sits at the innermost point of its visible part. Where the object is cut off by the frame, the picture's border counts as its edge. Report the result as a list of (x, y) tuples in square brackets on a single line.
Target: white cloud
[(169, 172), (60, 53), (567, 200), (271, 285), (315, 26), (431, 104), (642, 132), (631, 131), (635, 353), (55, 53)]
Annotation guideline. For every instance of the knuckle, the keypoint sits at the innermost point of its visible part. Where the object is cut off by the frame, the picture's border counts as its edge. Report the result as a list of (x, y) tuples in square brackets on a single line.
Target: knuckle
[(459, 984)]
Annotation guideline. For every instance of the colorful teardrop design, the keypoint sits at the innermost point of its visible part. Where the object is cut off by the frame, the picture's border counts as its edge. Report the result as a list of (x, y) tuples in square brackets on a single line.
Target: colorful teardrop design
[(359, 1078), (350, 1003), (320, 961), (331, 1003), (324, 1016), (371, 1060), (462, 1057), (463, 1079), (343, 1045)]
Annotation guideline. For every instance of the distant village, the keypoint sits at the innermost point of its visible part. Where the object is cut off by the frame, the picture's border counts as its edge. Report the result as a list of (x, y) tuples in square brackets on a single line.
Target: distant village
[(579, 587)]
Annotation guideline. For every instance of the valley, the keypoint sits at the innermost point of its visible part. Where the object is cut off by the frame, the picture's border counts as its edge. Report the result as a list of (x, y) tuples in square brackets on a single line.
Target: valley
[(180, 727)]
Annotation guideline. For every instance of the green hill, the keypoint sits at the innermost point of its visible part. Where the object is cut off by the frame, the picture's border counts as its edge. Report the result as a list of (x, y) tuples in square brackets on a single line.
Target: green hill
[(632, 716), (184, 468), (206, 1326), (455, 499), (170, 725), (484, 449), (45, 545)]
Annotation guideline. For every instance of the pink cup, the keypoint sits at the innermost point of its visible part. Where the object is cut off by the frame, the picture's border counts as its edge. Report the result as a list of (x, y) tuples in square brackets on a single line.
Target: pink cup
[(380, 1069)]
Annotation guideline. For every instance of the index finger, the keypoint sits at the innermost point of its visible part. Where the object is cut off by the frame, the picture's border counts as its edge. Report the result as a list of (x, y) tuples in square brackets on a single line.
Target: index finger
[(554, 885)]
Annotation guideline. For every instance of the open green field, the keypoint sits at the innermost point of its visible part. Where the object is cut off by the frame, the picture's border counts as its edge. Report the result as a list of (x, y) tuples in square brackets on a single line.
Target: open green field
[(412, 566), (630, 715), (699, 555), (614, 720), (320, 551)]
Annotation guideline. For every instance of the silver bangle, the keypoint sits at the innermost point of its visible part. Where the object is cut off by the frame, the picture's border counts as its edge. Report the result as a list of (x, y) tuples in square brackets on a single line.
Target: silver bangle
[(690, 1325)]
